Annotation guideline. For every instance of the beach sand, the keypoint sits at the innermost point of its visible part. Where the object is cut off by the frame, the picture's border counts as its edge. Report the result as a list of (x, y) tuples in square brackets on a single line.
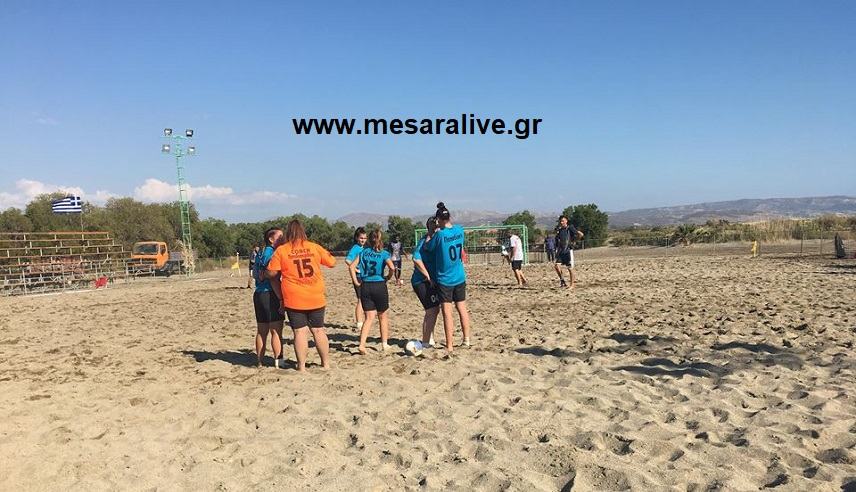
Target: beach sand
[(682, 372)]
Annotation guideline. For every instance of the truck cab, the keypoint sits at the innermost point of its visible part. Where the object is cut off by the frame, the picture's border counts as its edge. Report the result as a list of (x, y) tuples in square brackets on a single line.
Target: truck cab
[(155, 252)]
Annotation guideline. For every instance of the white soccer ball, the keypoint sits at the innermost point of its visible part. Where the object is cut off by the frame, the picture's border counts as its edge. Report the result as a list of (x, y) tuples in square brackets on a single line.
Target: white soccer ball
[(413, 347)]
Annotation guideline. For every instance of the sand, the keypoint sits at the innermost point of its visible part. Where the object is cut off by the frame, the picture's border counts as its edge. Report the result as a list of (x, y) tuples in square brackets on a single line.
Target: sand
[(683, 372)]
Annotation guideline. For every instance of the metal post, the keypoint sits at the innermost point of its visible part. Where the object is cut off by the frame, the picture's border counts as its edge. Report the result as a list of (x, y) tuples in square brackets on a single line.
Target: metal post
[(176, 149), (525, 245)]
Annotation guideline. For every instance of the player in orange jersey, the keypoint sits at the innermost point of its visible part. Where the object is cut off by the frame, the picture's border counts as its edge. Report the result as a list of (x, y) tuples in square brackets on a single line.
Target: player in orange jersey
[(298, 262)]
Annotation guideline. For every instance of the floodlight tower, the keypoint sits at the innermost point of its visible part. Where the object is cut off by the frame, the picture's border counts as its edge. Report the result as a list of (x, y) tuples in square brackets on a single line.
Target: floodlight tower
[(175, 146)]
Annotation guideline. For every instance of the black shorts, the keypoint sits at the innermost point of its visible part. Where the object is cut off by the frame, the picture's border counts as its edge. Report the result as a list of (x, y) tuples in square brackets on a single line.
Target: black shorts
[(374, 296), (565, 258), (551, 254), (266, 305), (397, 264), (427, 295), (301, 318), (357, 291), (455, 293), (516, 264)]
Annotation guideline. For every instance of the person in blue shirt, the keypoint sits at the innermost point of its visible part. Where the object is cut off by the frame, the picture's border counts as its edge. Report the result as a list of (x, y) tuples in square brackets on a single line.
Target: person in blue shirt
[(422, 280), (266, 301), (369, 276), (359, 243), (447, 245), (550, 247)]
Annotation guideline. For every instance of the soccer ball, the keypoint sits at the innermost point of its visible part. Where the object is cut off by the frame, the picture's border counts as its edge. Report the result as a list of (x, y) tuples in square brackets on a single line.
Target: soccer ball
[(413, 347)]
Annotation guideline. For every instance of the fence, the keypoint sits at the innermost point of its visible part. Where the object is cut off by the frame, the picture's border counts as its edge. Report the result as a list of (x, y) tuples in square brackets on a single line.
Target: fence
[(807, 243), (727, 244)]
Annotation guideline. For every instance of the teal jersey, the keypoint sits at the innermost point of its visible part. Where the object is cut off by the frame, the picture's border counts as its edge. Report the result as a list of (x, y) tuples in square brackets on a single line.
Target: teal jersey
[(448, 248), (372, 263), (259, 268), (353, 253), (427, 258)]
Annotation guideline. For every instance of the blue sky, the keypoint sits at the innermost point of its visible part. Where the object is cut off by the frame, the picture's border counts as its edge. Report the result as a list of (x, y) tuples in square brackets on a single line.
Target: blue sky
[(644, 103)]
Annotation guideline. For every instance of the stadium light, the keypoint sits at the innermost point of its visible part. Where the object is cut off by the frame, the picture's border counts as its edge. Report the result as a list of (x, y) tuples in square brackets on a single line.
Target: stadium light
[(177, 148)]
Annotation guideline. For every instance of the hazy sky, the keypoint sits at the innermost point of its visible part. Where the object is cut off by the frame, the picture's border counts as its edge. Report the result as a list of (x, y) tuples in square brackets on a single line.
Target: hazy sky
[(644, 103)]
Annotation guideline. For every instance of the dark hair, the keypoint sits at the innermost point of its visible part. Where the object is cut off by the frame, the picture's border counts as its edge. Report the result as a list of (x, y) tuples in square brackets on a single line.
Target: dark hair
[(394, 238), (376, 239), (564, 217), (294, 232), (358, 232), (269, 233), (442, 212), (431, 224)]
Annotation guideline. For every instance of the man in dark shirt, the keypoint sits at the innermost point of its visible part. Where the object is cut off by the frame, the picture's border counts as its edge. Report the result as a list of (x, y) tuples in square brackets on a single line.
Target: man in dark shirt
[(550, 247), (253, 254), (566, 235)]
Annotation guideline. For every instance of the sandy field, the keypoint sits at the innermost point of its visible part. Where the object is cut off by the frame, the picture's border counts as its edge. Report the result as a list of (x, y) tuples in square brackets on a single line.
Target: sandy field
[(668, 373)]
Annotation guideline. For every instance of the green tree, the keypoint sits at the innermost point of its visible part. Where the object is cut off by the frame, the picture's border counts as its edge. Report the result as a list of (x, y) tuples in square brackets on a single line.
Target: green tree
[(403, 227), (44, 220), (372, 226), (14, 220), (213, 239), (343, 236), (130, 221), (523, 218), (172, 213), (247, 235), (590, 221)]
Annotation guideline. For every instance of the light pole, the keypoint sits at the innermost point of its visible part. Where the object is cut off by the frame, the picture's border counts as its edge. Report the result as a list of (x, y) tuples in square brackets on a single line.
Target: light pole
[(175, 146)]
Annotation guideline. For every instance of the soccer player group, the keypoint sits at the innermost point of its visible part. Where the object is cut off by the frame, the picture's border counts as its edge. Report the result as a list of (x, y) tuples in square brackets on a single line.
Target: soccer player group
[(289, 283), (439, 281)]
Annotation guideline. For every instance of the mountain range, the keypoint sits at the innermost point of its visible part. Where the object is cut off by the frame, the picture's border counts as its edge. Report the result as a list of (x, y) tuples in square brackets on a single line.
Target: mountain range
[(743, 210)]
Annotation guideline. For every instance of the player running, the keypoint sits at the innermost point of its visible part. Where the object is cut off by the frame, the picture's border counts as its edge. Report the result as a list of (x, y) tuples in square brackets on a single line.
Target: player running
[(371, 281), (266, 301), (298, 261), (566, 234), (422, 280), (447, 245), (359, 243)]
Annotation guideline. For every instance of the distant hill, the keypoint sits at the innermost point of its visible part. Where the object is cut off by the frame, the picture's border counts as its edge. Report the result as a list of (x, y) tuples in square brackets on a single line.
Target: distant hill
[(745, 210)]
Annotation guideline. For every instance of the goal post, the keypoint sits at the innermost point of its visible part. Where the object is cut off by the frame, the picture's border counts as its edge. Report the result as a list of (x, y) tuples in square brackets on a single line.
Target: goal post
[(483, 244)]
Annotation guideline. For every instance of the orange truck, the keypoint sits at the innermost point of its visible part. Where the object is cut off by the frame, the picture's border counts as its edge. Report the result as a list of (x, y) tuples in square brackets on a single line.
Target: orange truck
[(154, 257)]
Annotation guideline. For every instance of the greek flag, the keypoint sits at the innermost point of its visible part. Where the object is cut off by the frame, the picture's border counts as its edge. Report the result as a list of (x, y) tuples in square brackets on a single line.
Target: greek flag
[(68, 205)]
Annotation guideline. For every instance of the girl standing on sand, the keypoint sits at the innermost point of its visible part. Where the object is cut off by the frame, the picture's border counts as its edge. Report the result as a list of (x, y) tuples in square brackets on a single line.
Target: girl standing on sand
[(298, 261), (422, 280), (359, 243), (266, 301), (371, 282), (447, 244)]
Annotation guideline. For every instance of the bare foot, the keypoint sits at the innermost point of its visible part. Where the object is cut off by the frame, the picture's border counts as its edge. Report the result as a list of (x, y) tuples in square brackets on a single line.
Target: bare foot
[(362, 350), (326, 367), (301, 369)]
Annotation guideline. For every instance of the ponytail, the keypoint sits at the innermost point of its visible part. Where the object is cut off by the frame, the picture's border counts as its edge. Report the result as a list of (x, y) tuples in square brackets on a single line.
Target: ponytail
[(376, 240), (442, 212)]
